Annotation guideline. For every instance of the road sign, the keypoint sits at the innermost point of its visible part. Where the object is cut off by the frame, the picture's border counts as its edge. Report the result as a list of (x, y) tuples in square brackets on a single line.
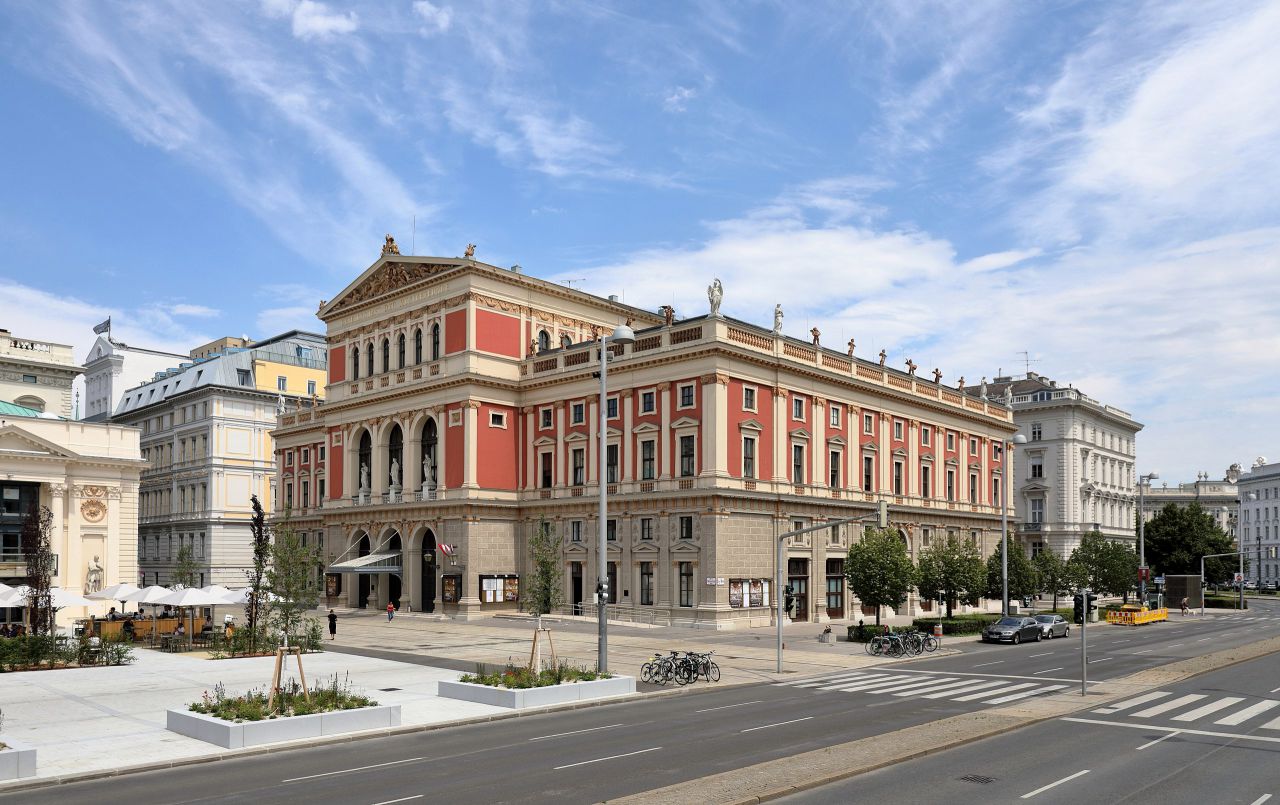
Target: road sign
[(1160, 580), (1239, 578)]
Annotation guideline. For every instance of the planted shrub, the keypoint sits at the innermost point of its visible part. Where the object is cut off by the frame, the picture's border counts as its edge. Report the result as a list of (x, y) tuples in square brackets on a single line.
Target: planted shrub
[(521, 677), (328, 696)]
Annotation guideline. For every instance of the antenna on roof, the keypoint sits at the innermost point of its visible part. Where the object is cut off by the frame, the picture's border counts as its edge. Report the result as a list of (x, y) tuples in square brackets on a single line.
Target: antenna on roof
[(1026, 359), (572, 281)]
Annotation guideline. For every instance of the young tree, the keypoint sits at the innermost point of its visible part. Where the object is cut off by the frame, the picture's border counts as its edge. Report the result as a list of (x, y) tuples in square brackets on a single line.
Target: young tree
[(1023, 578), (1177, 537), (952, 570), (544, 589), (879, 570), (291, 578), (38, 555), (1052, 570), (186, 572), (255, 608), (1106, 567)]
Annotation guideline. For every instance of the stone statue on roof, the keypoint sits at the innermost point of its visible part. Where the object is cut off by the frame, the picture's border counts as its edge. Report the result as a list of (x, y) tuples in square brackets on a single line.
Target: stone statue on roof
[(715, 294), (883, 356), (982, 389), (389, 246), (852, 344), (937, 375), (777, 319), (1008, 395), (470, 253), (668, 314), (911, 367), (817, 336)]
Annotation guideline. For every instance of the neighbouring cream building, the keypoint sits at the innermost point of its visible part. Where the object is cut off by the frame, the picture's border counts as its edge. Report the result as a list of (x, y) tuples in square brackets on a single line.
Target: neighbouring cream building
[(206, 436), (1219, 499), (1077, 471), (113, 366), (37, 374), (1259, 521), (87, 475), (462, 413)]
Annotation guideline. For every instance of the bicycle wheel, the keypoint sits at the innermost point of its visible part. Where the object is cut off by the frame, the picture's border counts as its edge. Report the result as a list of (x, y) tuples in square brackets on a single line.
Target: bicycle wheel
[(931, 643), (646, 672), (713, 673), (684, 674)]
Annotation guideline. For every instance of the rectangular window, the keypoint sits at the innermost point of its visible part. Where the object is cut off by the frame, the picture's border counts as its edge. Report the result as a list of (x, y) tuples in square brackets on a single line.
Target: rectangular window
[(951, 441), (797, 408), (797, 463), (868, 423), (545, 459), (925, 435), (951, 484), (497, 419), (320, 456), (306, 454), (575, 531), (1036, 432), (973, 446), (646, 528), (647, 404), (611, 530), (686, 527), (1037, 510), (926, 478), (995, 491), (579, 414), (611, 408), (288, 496), (545, 415), (579, 466), (868, 472), (320, 492), (611, 463), (28, 378), (835, 415), (686, 584), (897, 429), (686, 457), (282, 383), (647, 450), (897, 477), (973, 487), (748, 398), (686, 396), (311, 388), (242, 377), (288, 458), (748, 457), (646, 584), (201, 553), (1037, 469), (306, 494), (833, 473)]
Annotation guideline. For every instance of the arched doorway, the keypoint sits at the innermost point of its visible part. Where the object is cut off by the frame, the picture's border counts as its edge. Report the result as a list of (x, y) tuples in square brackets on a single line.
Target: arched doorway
[(430, 443), (363, 550), (428, 590), (393, 579), (395, 455)]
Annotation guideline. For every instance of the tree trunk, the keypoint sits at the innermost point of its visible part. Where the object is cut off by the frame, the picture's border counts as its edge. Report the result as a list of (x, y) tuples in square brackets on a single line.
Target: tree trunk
[(950, 603), (877, 619), (1055, 600)]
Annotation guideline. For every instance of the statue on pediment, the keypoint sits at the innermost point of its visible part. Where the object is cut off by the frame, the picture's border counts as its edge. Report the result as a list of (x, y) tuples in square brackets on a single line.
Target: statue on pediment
[(470, 253), (883, 356), (852, 344), (389, 246), (777, 319), (911, 367), (937, 376), (715, 294)]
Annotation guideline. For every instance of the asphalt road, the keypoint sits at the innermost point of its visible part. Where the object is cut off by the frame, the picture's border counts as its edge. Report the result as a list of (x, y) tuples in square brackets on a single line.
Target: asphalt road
[(1212, 739), (608, 751)]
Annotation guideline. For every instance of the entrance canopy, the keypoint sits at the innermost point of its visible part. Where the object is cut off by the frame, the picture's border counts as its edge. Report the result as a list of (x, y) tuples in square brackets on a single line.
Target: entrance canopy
[(372, 563)]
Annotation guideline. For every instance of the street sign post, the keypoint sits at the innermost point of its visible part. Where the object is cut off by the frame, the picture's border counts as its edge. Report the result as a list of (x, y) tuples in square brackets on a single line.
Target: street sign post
[(1084, 643)]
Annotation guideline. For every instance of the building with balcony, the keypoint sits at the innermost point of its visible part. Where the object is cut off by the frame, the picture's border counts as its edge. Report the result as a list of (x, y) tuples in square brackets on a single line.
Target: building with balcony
[(1259, 520), (462, 414), (206, 435), (113, 366), (37, 374), (87, 475), (1219, 499), (1077, 466)]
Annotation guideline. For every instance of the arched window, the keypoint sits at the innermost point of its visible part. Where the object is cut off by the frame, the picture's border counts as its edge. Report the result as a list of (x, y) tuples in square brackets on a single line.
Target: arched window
[(435, 342), (355, 363), (429, 444), (365, 455), (544, 340), (395, 454), (417, 345), (386, 355), (368, 363), (400, 352)]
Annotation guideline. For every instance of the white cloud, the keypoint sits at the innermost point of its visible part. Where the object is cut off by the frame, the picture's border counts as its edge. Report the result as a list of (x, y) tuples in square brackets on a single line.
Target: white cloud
[(998, 260), (313, 20), (436, 19), (678, 98), (193, 310)]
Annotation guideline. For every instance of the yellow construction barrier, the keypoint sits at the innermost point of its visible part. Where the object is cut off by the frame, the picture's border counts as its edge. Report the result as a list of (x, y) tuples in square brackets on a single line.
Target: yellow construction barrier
[(1137, 617)]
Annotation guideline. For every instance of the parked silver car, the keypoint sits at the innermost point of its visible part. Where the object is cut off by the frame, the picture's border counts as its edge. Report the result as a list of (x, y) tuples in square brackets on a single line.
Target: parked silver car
[(1012, 629), (1052, 626)]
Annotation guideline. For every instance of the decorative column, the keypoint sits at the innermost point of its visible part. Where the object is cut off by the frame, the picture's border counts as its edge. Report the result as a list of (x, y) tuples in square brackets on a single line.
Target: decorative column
[(818, 461), (530, 452), (781, 454), (594, 462), (885, 453), (715, 416), (626, 444), (470, 441), (560, 475), (913, 461), (411, 468), (666, 450)]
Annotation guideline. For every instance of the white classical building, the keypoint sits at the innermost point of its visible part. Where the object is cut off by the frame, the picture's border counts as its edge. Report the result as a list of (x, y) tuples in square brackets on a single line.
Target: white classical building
[(87, 475), (113, 366), (36, 374), (1219, 498), (1076, 473), (1259, 523)]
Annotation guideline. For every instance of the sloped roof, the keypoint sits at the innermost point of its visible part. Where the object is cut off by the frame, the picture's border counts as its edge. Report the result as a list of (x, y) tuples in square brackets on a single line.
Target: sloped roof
[(13, 409)]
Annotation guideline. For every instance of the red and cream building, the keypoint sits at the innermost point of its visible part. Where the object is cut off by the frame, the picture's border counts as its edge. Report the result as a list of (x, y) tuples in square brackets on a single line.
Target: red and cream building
[(461, 414)]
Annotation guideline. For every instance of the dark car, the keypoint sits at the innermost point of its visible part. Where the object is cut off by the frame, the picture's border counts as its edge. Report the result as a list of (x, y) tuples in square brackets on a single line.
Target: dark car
[(1053, 625), (1012, 630)]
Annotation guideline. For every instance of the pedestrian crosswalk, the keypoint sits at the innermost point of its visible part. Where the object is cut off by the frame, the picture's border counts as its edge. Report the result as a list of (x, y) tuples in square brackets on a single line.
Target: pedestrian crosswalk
[(1195, 708), (956, 687)]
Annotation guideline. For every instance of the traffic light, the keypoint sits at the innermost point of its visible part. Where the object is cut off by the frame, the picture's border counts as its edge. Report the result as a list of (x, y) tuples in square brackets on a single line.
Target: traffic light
[(1093, 603), (789, 598), (1079, 608), (884, 514)]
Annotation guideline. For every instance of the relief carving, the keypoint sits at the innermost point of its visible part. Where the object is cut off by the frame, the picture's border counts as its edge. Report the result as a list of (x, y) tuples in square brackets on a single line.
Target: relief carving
[(93, 510)]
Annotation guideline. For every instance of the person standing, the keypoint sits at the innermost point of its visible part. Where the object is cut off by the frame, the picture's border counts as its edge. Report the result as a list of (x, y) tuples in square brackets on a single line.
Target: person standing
[(391, 611), (333, 624)]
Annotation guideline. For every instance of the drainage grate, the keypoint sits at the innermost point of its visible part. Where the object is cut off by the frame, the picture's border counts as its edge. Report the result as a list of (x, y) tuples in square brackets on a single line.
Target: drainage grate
[(388, 690), (978, 778)]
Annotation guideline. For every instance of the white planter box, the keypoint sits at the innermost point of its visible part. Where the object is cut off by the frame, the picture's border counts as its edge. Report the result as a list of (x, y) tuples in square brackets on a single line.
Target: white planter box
[(538, 697), (17, 760), (230, 735)]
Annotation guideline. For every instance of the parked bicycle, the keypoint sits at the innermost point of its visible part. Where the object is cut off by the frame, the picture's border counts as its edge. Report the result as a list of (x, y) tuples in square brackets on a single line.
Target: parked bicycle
[(680, 667)]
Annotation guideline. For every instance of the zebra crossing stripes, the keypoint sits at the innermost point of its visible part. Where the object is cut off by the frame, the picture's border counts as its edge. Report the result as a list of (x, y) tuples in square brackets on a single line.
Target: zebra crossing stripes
[(1209, 709), (1195, 707), (966, 688), (1165, 707), (926, 686), (1247, 713)]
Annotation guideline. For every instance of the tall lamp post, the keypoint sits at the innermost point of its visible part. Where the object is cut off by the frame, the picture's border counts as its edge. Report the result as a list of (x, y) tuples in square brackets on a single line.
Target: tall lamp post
[(1018, 438), (622, 334), (1143, 482)]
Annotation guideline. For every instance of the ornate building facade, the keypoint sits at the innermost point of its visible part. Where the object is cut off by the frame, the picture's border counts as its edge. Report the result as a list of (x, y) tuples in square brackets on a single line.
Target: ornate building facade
[(37, 374), (1219, 498), (1259, 521), (462, 414), (113, 366)]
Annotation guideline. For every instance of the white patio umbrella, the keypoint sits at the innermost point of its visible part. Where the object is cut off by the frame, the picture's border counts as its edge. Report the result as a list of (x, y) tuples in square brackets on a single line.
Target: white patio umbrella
[(189, 598), (241, 596), (115, 592), (149, 595), (66, 598)]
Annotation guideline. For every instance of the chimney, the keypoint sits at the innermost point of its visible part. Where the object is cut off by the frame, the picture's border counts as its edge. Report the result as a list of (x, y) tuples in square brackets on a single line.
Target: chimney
[(613, 297)]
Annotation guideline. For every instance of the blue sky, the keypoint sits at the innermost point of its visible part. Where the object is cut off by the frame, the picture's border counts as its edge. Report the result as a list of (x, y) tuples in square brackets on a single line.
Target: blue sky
[(1093, 183)]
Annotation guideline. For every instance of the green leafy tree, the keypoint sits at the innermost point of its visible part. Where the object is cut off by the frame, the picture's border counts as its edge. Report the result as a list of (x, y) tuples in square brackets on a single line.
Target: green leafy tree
[(255, 610), (291, 578), (1024, 580), (1178, 536), (1053, 573), (544, 588), (38, 556), (1106, 567), (879, 570), (186, 572), (952, 570)]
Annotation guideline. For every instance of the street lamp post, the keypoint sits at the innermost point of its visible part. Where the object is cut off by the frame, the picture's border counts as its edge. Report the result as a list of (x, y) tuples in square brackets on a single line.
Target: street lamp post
[(622, 334), (1018, 438), (1143, 480)]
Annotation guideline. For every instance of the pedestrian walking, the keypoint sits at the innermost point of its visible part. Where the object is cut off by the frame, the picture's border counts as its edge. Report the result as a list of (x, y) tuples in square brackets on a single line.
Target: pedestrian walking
[(333, 624), (391, 611), (1184, 607)]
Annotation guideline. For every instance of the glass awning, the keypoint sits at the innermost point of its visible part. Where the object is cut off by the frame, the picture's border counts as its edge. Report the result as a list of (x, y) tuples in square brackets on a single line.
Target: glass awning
[(370, 563)]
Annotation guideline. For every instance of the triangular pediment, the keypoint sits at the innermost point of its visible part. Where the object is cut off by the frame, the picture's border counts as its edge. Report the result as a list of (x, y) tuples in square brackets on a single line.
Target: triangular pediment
[(15, 440), (644, 546), (576, 437), (836, 440), (750, 424), (872, 447), (575, 548), (390, 273), (685, 422), (645, 427), (543, 441), (612, 432), (899, 452), (927, 457), (799, 433), (1035, 486), (685, 546), (975, 465)]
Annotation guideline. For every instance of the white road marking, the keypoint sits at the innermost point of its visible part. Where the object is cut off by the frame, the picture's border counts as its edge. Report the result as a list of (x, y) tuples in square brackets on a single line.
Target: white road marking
[(1247, 713), (1101, 659), (1171, 705), (767, 726), (402, 799), (1261, 799), (1147, 651), (1025, 694), (1209, 709), (985, 664), (1033, 656), (1143, 699), (986, 693), (902, 684), (1044, 788), (727, 706), (611, 757), (1201, 640), (1235, 736), (972, 686), (1047, 670), (1277, 689), (949, 688), (916, 686), (576, 732), (980, 675), (859, 681), (887, 681), (1175, 645), (830, 679), (1157, 740), (350, 771)]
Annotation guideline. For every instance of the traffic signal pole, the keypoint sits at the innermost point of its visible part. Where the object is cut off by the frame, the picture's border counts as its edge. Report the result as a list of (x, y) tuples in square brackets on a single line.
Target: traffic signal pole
[(1084, 643)]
